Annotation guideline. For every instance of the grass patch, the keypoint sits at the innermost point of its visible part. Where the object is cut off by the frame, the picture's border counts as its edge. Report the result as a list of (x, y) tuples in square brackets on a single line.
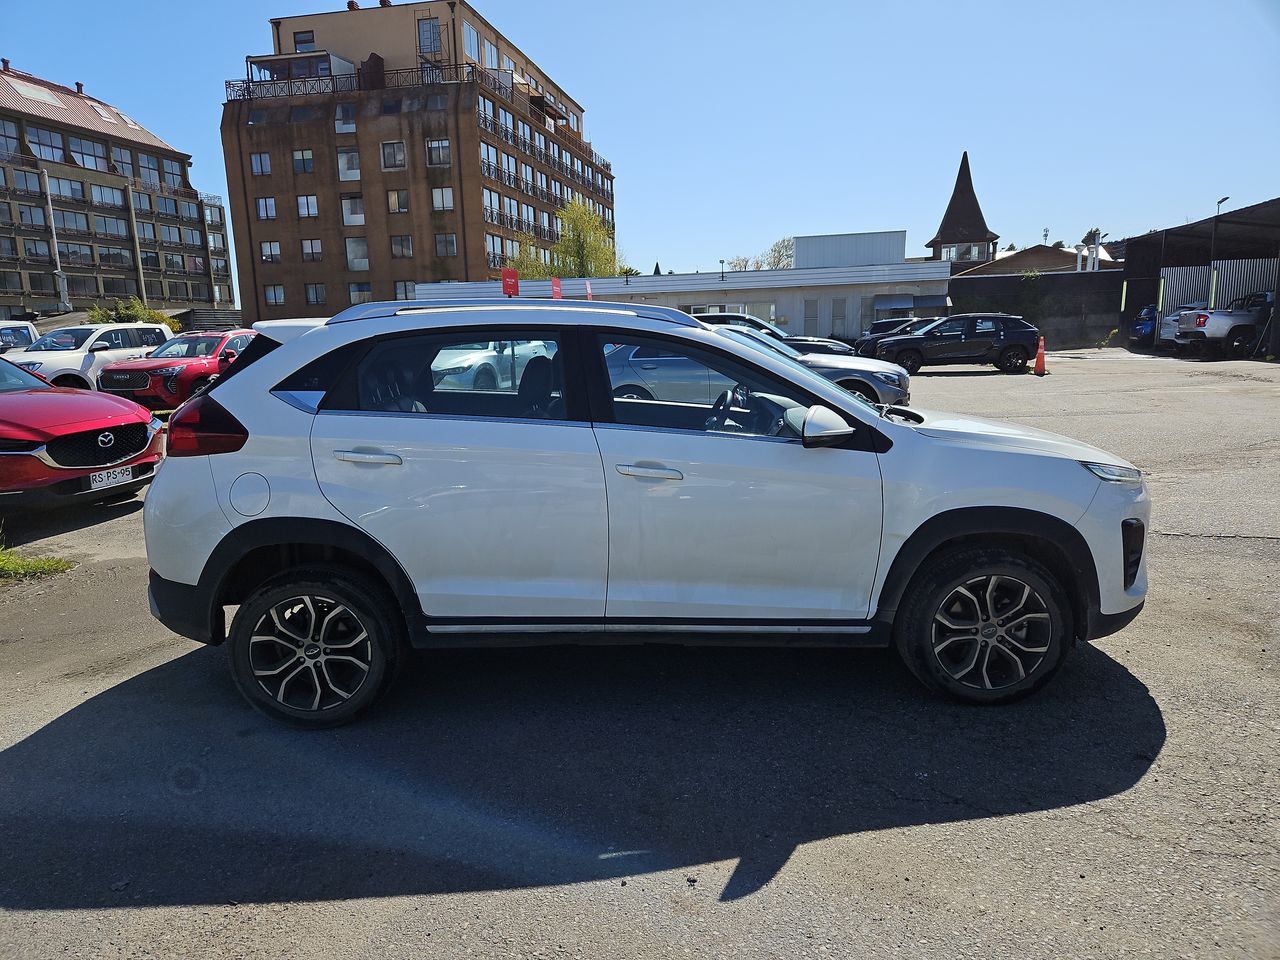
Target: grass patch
[(14, 567)]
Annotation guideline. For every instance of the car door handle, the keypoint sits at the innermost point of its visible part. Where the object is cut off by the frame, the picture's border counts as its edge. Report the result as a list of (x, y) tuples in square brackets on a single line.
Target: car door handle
[(648, 366), (359, 456), (648, 473)]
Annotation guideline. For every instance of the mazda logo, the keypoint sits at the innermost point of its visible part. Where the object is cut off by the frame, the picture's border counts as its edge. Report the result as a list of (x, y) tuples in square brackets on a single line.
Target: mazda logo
[(105, 440)]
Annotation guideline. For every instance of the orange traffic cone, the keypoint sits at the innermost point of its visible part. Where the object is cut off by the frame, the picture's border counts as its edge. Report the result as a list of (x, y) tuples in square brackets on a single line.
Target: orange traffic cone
[(1039, 369)]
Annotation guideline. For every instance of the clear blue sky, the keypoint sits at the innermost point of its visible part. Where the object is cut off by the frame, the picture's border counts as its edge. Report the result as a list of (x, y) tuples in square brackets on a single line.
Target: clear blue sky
[(731, 124)]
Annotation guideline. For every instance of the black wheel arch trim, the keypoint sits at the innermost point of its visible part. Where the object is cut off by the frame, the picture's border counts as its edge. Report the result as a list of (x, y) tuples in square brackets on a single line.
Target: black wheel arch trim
[(286, 531), (973, 522)]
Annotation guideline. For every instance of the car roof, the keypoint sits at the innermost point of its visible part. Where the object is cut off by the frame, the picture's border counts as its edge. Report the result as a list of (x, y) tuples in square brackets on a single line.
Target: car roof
[(571, 311)]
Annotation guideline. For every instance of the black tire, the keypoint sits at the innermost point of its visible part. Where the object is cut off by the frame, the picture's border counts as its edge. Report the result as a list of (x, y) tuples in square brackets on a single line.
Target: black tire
[(940, 658), (67, 380), (1239, 342), (861, 389), (485, 379), (1013, 359), (909, 360), (632, 392), (359, 676)]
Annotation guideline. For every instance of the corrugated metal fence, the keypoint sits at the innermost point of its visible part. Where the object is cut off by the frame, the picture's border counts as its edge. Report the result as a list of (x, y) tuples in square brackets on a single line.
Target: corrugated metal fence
[(1236, 278)]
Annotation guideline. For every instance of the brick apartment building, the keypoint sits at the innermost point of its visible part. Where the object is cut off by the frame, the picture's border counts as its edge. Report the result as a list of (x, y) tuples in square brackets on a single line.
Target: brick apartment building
[(94, 208), (384, 146)]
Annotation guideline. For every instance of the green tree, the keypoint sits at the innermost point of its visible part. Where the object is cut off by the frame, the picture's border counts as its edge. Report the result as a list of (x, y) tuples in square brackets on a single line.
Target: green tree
[(1092, 235), (1058, 244), (132, 310), (586, 247)]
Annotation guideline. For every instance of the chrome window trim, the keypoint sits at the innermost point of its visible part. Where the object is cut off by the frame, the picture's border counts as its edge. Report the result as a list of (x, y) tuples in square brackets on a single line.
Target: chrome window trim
[(410, 415)]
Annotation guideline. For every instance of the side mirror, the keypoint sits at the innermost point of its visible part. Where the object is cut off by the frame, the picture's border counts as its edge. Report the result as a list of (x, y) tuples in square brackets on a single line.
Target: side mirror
[(99, 347), (228, 356), (823, 427)]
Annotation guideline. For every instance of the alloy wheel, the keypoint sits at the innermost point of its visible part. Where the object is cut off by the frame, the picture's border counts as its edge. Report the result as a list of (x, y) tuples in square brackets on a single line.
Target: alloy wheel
[(992, 632), (310, 653)]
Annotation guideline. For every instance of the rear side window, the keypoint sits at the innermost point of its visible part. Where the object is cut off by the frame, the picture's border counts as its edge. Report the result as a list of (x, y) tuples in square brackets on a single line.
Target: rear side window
[(512, 375), (149, 336), (115, 339), (258, 348), (986, 325)]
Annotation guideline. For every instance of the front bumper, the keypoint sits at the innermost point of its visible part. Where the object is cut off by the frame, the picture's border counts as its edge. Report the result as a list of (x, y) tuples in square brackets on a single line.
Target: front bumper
[(76, 489)]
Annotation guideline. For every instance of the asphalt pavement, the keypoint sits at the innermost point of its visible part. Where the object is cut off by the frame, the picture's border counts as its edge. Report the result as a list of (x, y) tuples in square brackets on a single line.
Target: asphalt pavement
[(660, 802)]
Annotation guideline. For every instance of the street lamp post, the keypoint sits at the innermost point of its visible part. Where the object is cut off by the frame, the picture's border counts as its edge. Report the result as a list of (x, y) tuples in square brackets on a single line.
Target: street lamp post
[(1213, 244), (722, 268)]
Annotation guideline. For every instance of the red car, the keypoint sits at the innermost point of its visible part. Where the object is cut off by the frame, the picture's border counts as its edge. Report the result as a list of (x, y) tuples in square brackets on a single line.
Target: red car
[(170, 374), (59, 445)]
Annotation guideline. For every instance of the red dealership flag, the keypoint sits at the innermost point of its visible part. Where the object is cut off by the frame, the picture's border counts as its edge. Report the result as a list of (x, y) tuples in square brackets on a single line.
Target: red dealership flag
[(555, 289), (510, 282), (588, 289)]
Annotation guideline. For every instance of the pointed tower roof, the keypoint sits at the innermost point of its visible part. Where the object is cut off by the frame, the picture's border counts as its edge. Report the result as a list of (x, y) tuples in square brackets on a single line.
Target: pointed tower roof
[(963, 222)]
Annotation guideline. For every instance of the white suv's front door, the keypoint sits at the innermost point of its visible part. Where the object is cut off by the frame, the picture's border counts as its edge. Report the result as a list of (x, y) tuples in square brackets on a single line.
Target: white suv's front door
[(492, 500), (719, 513)]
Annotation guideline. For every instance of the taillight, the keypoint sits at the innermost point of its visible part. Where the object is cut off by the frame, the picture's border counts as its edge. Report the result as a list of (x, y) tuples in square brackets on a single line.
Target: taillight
[(202, 426), (1201, 319)]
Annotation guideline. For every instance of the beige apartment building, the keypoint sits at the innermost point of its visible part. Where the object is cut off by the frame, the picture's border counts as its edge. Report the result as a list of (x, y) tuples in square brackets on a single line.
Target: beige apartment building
[(95, 208), (378, 147)]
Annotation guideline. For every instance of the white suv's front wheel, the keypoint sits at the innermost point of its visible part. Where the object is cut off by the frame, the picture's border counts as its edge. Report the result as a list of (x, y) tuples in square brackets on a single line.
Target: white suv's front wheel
[(315, 648), (984, 625)]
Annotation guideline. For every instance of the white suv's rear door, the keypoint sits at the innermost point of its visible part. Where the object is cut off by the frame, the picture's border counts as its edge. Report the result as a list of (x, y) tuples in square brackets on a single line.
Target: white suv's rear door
[(493, 501)]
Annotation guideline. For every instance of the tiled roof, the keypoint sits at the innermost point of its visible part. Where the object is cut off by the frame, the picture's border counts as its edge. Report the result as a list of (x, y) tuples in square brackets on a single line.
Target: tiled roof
[(30, 95)]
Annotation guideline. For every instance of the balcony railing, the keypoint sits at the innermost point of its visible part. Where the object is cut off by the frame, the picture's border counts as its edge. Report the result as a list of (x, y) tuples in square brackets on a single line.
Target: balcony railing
[(425, 75), (496, 260)]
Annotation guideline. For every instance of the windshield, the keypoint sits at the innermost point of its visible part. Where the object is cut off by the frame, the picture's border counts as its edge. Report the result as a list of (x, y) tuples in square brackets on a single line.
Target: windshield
[(15, 378), (783, 353), (68, 338), (188, 347), (761, 340), (917, 326)]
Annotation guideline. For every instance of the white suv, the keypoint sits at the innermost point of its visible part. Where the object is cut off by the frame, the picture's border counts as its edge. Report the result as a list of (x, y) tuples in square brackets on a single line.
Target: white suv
[(353, 497), (74, 356)]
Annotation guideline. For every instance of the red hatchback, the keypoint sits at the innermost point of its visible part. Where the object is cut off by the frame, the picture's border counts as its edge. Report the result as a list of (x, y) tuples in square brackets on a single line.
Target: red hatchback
[(58, 445), (170, 374)]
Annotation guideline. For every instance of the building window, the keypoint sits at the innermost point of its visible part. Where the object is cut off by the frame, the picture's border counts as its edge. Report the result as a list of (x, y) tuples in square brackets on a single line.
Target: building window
[(107, 196), (397, 201), (62, 187), (146, 231), (446, 244), (273, 293), (360, 292), (401, 247), (30, 216), (122, 160), (442, 198), (78, 252), (173, 173), (393, 155), (111, 256), (170, 234), (216, 242), (82, 286), (256, 118), (357, 254), (111, 226), (167, 206), (470, 41), (266, 208), (8, 137), (188, 210), (438, 153), (270, 251), (810, 315), (303, 114), (492, 200), (303, 161), (148, 168), (24, 181), (428, 35), (344, 118), (311, 251), (213, 215), (45, 144), (406, 289), (142, 202), (437, 101), (308, 206), (315, 293), (488, 155), (352, 209), (192, 237), (304, 41), (35, 249), (490, 56), (88, 153), (349, 164)]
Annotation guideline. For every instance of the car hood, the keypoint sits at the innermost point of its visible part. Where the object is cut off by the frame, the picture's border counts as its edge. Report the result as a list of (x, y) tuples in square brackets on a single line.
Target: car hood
[(66, 358), (148, 363), (851, 363), (40, 414), (1000, 433)]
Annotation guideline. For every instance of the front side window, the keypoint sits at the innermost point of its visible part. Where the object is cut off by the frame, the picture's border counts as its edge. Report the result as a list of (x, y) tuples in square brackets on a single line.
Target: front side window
[(115, 339), (669, 385), (495, 373), (952, 326)]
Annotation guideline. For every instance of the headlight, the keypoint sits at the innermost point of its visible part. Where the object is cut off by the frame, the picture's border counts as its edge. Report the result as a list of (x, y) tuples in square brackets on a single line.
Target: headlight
[(451, 371), (32, 365), (1113, 474), (166, 371), (891, 378)]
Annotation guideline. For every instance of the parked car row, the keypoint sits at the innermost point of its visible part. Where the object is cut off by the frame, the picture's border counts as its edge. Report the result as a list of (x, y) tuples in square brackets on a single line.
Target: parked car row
[(1194, 328), (1006, 341), (76, 405)]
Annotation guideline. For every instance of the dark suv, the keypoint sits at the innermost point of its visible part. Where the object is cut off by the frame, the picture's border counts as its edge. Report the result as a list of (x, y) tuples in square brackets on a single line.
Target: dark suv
[(1001, 339)]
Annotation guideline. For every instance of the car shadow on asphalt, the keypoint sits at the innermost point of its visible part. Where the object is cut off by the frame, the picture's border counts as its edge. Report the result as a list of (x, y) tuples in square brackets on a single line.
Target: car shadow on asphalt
[(499, 769), (936, 372), (17, 529)]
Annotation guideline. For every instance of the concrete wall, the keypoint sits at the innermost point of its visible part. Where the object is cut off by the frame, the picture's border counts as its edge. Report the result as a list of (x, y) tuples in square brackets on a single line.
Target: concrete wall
[(1071, 309)]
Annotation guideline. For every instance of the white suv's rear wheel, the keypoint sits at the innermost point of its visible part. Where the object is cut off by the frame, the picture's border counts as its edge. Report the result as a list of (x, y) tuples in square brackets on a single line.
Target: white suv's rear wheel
[(984, 625), (315, 648)]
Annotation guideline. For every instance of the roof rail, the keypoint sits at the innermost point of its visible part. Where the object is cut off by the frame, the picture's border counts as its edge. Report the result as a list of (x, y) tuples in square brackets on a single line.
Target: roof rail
[(391, 308)]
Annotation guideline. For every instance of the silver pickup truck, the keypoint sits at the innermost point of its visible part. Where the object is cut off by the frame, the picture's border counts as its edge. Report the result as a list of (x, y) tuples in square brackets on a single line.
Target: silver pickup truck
[(1232, 331)]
